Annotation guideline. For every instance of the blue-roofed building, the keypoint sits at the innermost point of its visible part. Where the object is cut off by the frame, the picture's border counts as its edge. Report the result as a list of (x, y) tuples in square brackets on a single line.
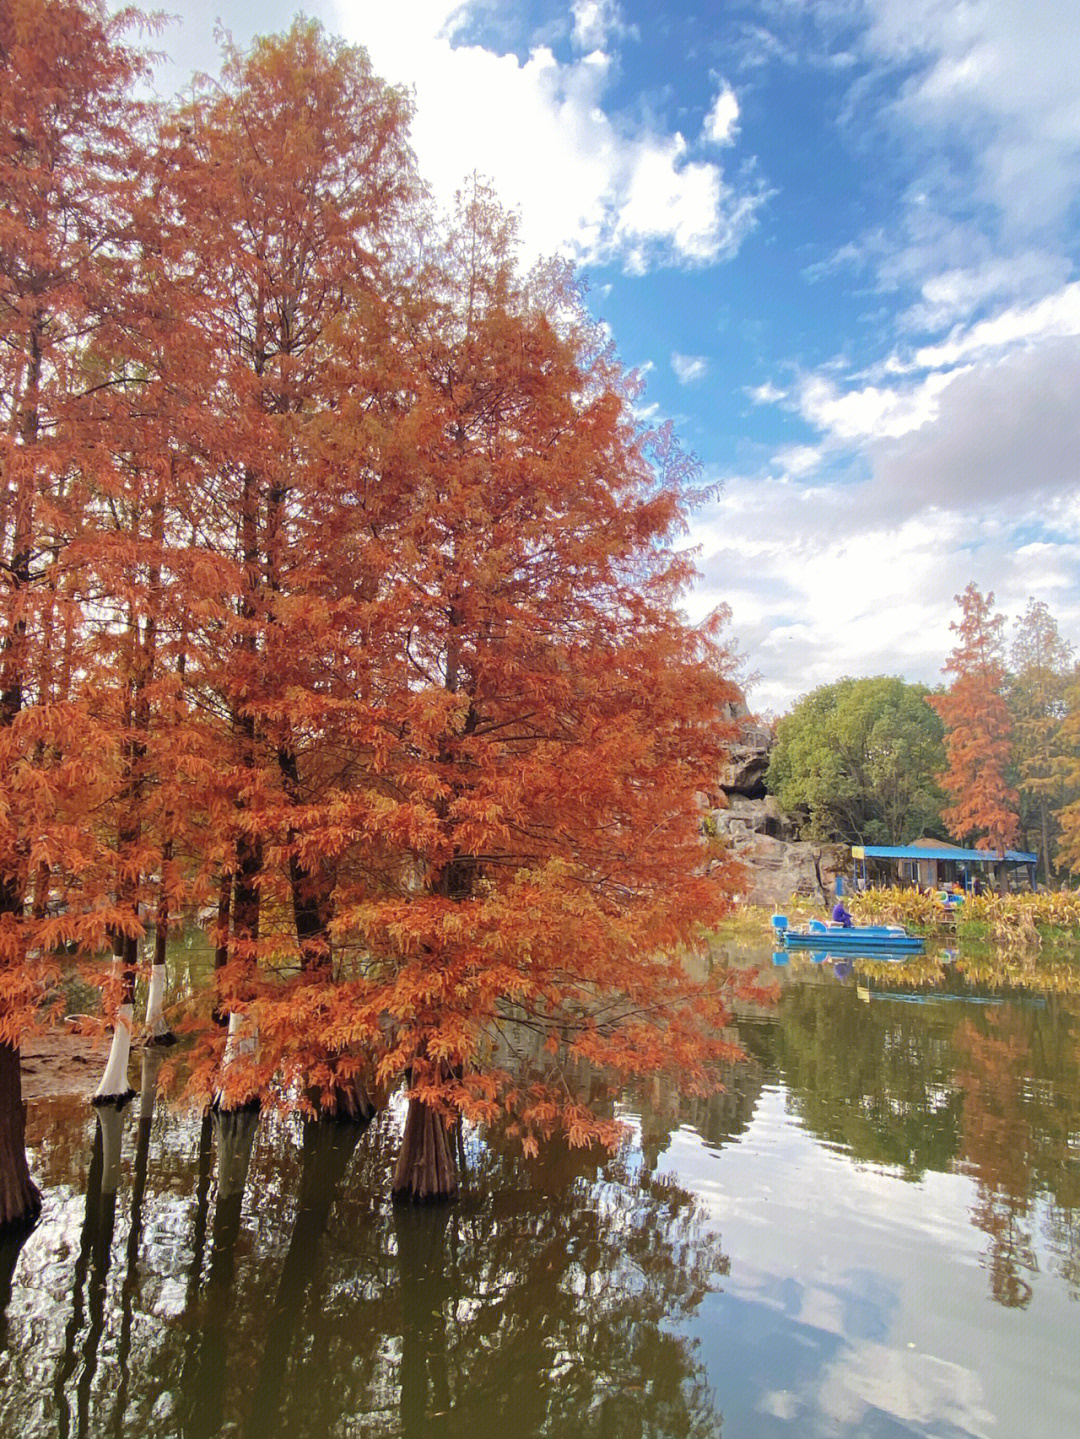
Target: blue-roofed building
[(932, 863)]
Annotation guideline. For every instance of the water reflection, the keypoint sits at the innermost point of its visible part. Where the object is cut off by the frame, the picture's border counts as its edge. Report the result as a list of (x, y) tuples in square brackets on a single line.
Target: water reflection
[(946, 1080), (286, 1293), (245, 1274)]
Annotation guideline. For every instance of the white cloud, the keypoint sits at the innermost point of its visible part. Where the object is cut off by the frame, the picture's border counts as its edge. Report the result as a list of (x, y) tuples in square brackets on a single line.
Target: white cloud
[(766, 394), (586, 182), (721, 123), (819, 588), (956, 293), (689, 368), (1006, 432), (966, 474), (870, 412), (596, 22), (999, 75), (1055, 316), (919, 1390), (796, 462)]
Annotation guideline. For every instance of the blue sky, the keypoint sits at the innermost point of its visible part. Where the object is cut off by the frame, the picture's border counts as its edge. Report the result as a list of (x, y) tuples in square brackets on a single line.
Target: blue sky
[(840, 239)]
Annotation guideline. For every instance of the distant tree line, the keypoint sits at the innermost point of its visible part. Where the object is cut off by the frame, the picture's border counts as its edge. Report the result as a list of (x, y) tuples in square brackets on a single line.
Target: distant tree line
[(993, 759)]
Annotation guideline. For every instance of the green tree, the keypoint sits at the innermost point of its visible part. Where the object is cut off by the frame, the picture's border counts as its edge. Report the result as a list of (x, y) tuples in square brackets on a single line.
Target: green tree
[(1067, 769), (858, 759), (1042, 663)]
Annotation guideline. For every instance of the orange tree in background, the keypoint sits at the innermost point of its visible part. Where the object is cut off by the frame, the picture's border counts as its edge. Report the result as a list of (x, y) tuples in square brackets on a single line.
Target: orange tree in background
[(978, 729)]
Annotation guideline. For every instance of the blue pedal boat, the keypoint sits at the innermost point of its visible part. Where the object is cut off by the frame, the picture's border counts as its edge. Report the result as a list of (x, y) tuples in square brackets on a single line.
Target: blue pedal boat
[(868, 939)]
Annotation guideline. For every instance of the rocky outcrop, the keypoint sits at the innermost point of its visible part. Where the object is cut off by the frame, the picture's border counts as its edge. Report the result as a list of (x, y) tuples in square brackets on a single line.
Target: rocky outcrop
[(776, 869), (761, 835)]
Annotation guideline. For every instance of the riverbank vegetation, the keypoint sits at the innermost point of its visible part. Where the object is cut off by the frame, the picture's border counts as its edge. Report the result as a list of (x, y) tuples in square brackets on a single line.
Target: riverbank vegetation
[(1044, 921), (339, 604), (1010, 920), (993, 760)]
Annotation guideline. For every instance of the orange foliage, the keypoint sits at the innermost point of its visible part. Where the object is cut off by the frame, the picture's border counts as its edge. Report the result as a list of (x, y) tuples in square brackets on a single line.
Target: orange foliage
[(978, 728), (341, 582), (69, 175)]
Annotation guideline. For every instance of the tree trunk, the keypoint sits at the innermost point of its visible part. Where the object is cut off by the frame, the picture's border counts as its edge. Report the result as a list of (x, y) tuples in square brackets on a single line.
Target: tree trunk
[(158, 1031), (310, 892), (20, 1202), (346, 1098), (233, 1094), (426, 1169), (249, 848), (114, 1087), (221, 942), (156, 1023), (245, 905), (224, 910)]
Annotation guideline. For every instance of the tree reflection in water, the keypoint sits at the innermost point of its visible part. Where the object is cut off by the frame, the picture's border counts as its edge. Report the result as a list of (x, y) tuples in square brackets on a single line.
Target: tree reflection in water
[(246, 1275), (991, 1089), (296, 1300), (1018, 1141)]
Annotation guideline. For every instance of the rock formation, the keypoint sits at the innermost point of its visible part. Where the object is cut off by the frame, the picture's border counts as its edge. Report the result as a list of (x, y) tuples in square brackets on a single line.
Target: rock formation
[(760, 834)]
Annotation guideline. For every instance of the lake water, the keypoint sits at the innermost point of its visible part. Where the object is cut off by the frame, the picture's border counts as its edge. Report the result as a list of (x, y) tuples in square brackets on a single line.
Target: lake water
[(874, 1231)]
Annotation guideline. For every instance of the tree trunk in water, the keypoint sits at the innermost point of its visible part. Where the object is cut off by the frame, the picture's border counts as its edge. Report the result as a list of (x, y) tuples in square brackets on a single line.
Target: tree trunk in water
[(158, 1031), (20, 1202), (426, 1168), (11, 1243), (233, 1094), (111, 1127), (151, 1062), (114, 1087), (235, 1130), (189, 1369), (87, 1244)]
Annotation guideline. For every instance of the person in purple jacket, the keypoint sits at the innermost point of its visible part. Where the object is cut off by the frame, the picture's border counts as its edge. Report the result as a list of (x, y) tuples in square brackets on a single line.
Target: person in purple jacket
[(840, 914)]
